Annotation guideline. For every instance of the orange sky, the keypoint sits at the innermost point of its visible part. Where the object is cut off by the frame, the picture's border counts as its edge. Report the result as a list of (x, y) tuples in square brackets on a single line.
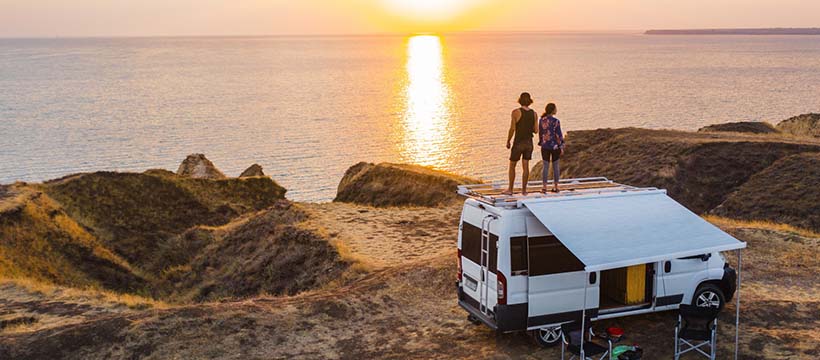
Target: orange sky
[(271, 17)]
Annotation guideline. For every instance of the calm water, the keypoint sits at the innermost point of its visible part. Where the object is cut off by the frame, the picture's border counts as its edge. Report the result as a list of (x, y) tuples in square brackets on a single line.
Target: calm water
[(307, 108)]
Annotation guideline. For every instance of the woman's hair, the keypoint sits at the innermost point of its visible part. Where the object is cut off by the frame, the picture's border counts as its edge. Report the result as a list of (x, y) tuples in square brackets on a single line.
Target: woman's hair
[(525, 99), (549, 110)]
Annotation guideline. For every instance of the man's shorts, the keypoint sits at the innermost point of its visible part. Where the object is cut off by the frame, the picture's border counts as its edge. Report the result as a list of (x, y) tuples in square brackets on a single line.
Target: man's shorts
[(522, 149)]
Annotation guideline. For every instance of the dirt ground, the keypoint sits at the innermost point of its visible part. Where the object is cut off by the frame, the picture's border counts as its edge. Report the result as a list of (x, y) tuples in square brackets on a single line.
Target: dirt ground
[(401, 305)]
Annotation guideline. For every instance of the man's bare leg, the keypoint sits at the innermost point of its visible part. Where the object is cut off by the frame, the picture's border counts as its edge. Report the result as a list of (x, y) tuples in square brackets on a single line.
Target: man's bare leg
[(526, 176), (512, 178)]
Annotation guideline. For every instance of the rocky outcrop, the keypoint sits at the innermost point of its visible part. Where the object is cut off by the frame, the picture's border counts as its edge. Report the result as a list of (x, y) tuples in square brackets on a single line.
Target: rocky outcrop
[(398, 185), (253, 170), (752, 127), (199, 167), (801, 125)]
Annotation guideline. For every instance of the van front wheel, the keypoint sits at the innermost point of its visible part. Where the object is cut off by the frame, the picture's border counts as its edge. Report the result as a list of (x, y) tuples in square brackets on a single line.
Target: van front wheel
[(547, 337), (710, 296)]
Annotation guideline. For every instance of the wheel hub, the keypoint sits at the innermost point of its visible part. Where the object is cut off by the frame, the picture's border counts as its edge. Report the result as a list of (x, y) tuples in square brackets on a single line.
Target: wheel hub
[(708, 299), (549, 335)]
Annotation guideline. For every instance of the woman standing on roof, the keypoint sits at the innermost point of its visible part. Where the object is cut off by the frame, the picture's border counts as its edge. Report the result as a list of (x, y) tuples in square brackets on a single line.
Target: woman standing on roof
[(551, 140)]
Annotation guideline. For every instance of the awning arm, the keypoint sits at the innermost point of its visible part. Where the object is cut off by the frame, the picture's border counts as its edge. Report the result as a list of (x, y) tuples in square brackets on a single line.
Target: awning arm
[(584, 315), (737, 304)]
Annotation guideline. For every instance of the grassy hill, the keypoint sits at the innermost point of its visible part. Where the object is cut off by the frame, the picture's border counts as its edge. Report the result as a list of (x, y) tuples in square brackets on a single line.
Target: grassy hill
[(787, 192), (388, 184), (40, 241), (161, 235), (752, 127), (701, 170)]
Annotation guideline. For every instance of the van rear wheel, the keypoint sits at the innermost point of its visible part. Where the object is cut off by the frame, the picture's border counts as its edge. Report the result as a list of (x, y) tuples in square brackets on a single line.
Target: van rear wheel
[(547, 337), (709, 296)]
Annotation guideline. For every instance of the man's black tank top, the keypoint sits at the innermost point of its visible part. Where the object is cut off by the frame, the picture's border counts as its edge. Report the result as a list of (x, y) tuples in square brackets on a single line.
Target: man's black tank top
[(524, 126)]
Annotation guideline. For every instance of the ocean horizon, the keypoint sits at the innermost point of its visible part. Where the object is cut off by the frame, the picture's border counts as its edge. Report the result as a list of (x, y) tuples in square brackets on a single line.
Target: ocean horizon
[(308, 107)]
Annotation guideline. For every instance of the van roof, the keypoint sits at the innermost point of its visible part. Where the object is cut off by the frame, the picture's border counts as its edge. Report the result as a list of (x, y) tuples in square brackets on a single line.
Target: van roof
[(491, 193)]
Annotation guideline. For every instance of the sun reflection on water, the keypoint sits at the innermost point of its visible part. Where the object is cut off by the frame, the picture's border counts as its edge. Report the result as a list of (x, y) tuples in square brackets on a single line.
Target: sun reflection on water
[(426, 123)]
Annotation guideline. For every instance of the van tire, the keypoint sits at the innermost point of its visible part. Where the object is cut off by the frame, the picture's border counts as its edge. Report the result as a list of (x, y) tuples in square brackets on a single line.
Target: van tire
[(707, 295), (548, 337)]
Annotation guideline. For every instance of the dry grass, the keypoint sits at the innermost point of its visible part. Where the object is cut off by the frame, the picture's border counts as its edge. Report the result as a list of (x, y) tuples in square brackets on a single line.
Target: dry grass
[(407, 309), (58, 293), (760, 224)]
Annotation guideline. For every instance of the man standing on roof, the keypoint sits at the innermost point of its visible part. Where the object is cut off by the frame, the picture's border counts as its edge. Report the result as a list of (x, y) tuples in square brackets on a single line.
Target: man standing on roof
[(522, 127)]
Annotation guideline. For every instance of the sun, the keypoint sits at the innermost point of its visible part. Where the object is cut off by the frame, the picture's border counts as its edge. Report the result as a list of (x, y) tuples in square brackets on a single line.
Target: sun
[(430, 10)]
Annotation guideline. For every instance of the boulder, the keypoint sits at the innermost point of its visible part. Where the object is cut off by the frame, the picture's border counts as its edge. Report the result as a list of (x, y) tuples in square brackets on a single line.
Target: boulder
[(197, 166), (253, 170), (752, 127), (801, 125)]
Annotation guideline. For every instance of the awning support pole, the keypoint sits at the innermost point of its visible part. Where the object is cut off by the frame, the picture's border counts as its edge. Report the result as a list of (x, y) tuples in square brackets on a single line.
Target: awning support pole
[(584, 315), (737, 304)]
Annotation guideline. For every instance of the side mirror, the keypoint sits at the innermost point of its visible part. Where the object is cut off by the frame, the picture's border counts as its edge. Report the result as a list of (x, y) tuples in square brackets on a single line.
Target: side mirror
[(706, 257)]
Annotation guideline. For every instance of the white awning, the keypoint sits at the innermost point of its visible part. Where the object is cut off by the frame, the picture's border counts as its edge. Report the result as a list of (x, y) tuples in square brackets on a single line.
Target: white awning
[(625, 229)]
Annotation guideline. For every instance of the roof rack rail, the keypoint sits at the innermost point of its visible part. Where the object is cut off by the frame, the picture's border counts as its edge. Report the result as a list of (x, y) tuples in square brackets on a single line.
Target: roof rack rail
[(492, 193)]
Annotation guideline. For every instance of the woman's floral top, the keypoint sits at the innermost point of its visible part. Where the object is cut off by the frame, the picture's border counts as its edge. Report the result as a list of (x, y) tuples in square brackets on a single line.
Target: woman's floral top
[(550, 135)]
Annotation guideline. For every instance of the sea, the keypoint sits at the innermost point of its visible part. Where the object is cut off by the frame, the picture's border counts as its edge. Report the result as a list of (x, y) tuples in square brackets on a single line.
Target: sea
[(307, 108)]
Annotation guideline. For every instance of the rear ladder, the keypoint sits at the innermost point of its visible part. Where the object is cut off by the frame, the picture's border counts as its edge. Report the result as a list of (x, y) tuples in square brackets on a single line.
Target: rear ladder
[(484, 292)]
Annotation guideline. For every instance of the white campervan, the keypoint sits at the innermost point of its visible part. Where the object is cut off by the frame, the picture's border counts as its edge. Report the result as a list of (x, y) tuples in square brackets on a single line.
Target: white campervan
[(597, 249)]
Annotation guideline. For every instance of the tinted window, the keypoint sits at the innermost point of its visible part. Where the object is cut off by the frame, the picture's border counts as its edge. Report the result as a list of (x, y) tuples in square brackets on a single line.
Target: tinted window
[(471, 245), (550, 256), (518, 254)]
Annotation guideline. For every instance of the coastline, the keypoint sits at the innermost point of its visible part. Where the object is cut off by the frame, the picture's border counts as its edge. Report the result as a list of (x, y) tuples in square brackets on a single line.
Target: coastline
[(201, 265), (739, 31)]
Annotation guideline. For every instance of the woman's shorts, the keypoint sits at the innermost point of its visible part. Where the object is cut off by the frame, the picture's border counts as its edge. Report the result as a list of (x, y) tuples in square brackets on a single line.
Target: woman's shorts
[(519, 150), (546, 154)]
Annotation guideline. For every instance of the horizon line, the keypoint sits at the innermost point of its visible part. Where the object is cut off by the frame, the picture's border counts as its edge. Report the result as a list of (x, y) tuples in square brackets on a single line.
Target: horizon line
[(392, 34), (375, 34)]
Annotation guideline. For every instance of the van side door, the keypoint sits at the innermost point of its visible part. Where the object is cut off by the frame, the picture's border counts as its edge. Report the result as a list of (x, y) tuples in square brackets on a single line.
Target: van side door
[(556, 280), (680, 277)]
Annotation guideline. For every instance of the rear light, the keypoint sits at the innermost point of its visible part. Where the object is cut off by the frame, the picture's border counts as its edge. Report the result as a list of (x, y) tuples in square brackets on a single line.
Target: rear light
[(459, 265), (502, 289)]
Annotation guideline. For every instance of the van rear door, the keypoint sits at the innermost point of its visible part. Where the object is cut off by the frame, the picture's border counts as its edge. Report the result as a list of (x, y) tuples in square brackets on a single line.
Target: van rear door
[(479, 283), (556, 280)]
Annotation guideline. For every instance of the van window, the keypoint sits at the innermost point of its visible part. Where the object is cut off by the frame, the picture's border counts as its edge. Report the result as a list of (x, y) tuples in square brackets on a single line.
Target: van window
[(550, 256), (471, 245), (518, 254)]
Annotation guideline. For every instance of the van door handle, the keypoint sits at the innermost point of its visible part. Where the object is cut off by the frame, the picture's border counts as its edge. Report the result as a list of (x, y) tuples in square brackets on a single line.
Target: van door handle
[(667, 266)]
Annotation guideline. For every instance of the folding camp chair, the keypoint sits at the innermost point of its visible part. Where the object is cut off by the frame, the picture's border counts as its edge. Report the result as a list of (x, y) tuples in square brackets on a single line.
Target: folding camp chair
[(572, 344), (696, 328)]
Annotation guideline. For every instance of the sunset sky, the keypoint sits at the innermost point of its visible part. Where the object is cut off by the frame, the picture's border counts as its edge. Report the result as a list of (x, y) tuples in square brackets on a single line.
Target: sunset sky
[(47, 18)]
